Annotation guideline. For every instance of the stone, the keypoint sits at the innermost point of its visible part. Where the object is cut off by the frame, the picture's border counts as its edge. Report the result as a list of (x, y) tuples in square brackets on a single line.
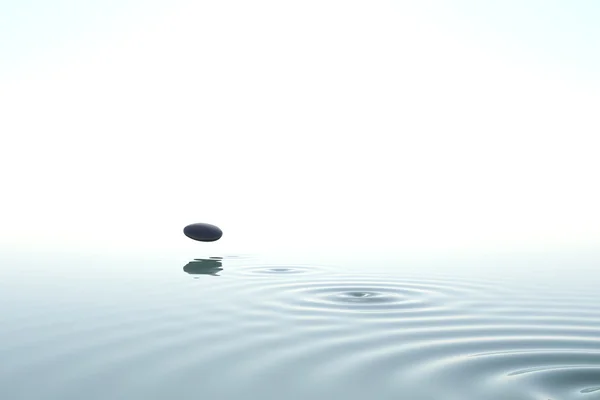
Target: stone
[(203, 232)]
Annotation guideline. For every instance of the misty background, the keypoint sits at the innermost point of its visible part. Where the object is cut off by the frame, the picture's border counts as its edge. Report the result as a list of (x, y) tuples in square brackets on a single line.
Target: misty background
[(337, 125)]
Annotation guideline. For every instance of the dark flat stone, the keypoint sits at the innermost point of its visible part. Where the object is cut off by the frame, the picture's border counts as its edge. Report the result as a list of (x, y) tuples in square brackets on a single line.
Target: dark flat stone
[(203, 232)]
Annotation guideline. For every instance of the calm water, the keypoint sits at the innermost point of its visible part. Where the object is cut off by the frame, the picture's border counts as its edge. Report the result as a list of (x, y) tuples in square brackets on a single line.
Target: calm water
[(227, 326)]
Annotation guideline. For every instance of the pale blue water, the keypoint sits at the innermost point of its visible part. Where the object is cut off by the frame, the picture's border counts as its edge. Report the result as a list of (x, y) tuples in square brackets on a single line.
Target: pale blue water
[(76, 326)]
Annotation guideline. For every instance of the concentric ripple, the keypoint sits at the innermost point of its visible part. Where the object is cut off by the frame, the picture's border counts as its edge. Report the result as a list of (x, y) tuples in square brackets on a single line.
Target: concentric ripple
[(274, 270), (343, 293), (354, 296), (556, 358)]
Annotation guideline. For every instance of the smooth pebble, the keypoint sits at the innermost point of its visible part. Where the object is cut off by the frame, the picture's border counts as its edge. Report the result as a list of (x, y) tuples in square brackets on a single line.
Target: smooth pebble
[(203, 232)]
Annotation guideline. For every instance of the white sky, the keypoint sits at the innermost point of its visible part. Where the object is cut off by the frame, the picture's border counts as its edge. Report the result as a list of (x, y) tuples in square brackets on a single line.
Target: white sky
[(333, 124)]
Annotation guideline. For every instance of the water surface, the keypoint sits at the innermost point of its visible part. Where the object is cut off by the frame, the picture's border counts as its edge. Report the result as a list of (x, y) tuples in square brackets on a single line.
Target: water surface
[(228, 326)]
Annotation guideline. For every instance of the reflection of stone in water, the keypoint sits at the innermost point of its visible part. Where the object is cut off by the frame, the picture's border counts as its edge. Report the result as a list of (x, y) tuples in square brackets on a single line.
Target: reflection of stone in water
[(590, 390), (204, 267)]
